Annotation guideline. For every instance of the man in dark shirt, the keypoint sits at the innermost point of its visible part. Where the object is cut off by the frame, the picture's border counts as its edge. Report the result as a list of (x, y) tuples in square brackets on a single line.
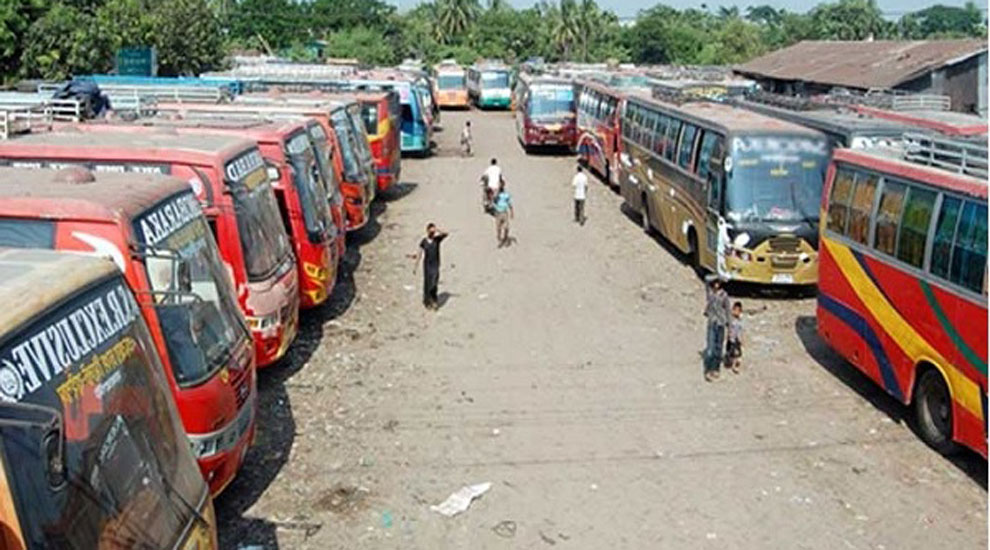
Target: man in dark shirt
[(429, 251)]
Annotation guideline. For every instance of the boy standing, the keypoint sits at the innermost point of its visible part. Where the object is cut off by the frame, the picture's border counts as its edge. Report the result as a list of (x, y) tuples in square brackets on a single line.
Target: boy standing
[(503, 211), (429, 252), (467, 141), (580, 184), (733, 342), (717, 312)]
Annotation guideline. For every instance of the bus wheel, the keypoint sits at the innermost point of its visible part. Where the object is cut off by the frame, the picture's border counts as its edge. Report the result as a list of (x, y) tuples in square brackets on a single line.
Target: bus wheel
[(645, 215), (933, 411)]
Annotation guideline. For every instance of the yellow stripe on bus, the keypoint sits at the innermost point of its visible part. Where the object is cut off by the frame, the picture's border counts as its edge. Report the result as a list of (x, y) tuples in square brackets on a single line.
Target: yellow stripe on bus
[(965, 391)]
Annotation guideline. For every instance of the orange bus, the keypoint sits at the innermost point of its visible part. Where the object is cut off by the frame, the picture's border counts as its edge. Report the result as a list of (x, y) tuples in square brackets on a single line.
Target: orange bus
[(450, 85), (903, 287)]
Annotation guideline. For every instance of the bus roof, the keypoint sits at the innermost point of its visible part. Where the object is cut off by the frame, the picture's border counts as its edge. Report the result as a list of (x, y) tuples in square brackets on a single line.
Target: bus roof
[(254, 126), (834, 120), (45, 193), (533, 80), (490, 65), (726, 117), (884, 161), (62, 274), (948, 122), (165, 145)]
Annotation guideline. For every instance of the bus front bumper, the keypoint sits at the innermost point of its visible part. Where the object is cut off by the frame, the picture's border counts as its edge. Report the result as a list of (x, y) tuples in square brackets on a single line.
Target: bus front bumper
[(765, 266)]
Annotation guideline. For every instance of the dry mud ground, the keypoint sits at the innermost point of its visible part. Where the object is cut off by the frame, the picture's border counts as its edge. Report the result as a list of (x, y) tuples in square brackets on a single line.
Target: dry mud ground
[(565, 371)]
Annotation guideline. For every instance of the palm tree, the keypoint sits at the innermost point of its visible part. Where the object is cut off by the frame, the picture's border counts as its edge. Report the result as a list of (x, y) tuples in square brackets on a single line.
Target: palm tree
[(454, 18), (564, 31), (588, 25), (497, 5)]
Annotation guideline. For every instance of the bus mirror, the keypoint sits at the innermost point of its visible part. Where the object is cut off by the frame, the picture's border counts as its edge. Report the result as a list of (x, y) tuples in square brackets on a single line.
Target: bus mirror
[(41, 426)]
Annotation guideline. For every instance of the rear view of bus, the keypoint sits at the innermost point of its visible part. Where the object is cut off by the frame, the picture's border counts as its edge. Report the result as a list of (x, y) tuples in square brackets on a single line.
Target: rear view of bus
[(545, 113), (92, 454), (489, 85), (451, 86)]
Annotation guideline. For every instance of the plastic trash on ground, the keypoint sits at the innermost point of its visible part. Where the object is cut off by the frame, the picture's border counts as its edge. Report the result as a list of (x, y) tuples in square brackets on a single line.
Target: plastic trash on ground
[(459, 501)]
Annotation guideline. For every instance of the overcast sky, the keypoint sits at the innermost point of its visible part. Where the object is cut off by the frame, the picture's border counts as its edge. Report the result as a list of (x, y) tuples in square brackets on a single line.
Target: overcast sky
[(627, 8)]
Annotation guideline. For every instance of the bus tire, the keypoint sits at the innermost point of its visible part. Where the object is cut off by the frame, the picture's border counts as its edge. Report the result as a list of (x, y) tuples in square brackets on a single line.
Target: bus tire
[(933, 411), (608, 174), (645, 215), (694, 253)]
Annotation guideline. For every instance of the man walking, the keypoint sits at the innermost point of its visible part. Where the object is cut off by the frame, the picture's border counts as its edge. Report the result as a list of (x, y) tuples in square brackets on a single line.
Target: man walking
[(718, 312), (491, 181), (503, 211), (580, 185), (429, 252)]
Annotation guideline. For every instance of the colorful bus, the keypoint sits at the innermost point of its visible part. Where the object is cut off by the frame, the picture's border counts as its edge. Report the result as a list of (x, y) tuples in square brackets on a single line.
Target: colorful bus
[(91, 448), (377, 114), (357, 182), (489, 85), (599, 140), (736, 191), (230, 179), (545, 112), (296, 178), (154, 228), (903, 288), (416, 120), (450, 85)]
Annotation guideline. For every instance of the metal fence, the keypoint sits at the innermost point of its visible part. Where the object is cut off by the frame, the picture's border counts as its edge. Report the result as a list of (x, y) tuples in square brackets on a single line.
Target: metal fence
[(957, 155)]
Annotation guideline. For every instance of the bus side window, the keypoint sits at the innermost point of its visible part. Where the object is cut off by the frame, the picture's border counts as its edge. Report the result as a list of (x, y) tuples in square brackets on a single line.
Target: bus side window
[(670, 145), (838, 202), (969, 253), (651, 130), (687, 146), (861, 208), (945, 234), (662, 125), (889, 216), (708, 140), (915, 224), (716, 178)]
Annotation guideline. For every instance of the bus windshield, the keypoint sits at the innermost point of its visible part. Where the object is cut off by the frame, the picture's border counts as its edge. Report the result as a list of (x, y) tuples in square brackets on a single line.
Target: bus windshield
[(495, 79), (369, 113), (775, 179), (348, 146), (450, 81), (318, 140), (360, 134), (308, 182), (129, 478), (259, 224), (191, 292), (551, 101)]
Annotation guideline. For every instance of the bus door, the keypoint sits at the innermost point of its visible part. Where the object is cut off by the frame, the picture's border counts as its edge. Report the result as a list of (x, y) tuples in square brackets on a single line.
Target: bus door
[(711, 168)]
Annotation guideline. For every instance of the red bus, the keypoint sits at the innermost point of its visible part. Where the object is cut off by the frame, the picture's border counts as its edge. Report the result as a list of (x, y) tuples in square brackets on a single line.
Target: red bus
[(379, 113), (296, 178), (230, 179), (153, 228), (599, 134), (903, 287), (545, 114), (91, 448), (351, 157)]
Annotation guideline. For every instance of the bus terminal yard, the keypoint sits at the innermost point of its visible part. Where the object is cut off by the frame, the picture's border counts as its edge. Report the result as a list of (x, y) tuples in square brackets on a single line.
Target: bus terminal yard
[(561, 376)]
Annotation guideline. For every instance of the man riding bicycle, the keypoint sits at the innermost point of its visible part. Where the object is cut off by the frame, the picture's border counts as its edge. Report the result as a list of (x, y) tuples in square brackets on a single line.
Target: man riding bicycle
[(491, 180)]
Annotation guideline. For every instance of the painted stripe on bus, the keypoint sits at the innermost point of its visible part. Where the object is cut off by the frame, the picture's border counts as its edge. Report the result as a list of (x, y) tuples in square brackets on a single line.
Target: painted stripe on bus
[(861, 326)]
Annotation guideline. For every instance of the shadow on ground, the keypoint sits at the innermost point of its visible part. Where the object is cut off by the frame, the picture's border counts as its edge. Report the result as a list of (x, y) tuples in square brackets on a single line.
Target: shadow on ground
[(806, 328), (276, 427)]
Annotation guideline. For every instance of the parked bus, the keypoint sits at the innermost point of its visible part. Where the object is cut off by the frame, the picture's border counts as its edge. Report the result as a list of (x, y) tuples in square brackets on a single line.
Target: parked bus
[(296, 178), (230, 180), (416, 121), (376, 114), (357, 182), (545, 112), (903, 288), (154, 228), (949, 123), (451, 85), (598, 110), (844, 128), (489, 85), (91, 449), (736, 191)]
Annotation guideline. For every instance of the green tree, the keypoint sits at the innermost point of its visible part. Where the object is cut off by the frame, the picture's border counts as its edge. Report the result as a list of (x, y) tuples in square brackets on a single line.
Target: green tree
[(188, 35), (454, 19), (268, 23), (331, 15), (940, 21), (848, 20), (738, 41), (16, 17), (65, 41), (361, 43)]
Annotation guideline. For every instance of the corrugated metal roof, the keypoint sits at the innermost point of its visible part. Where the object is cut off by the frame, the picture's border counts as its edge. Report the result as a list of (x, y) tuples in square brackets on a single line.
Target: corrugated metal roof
[(864, 65)]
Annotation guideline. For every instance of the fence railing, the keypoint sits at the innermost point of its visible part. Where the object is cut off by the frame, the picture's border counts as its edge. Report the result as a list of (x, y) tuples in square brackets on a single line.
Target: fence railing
[(69, 110), (956, 155), (22, 119)]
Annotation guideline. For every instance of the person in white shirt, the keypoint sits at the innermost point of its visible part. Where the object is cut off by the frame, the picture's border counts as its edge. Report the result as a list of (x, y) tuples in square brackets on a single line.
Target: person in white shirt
[(467, 141), (580, 184), (491, 181)]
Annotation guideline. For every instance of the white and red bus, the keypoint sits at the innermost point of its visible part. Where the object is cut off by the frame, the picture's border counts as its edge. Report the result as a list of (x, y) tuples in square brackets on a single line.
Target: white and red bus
[(599, 134), (903, 287), (545, 114)]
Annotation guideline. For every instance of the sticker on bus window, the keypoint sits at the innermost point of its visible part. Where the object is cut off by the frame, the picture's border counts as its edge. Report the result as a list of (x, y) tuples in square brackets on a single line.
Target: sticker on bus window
[(165, 218), (298, 144), (244, 165)]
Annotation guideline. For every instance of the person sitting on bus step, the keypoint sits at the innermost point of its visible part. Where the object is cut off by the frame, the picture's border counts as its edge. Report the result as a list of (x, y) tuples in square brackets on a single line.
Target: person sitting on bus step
[(491, 180), (580, 184)]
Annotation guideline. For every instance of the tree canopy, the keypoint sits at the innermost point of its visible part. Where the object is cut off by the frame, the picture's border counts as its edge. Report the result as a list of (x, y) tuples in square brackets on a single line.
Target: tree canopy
[(55, 39)]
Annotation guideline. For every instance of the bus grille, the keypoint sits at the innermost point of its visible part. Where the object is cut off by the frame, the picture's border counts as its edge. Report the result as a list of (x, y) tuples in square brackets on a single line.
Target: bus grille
[(239, 381), (784, 244)]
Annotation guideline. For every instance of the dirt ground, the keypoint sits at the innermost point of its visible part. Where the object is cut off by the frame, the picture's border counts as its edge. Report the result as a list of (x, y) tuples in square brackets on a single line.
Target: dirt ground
[(565, 370)]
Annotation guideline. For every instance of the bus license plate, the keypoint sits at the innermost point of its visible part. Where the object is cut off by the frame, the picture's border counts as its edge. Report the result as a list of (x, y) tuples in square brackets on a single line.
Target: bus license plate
[(783, 278)]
